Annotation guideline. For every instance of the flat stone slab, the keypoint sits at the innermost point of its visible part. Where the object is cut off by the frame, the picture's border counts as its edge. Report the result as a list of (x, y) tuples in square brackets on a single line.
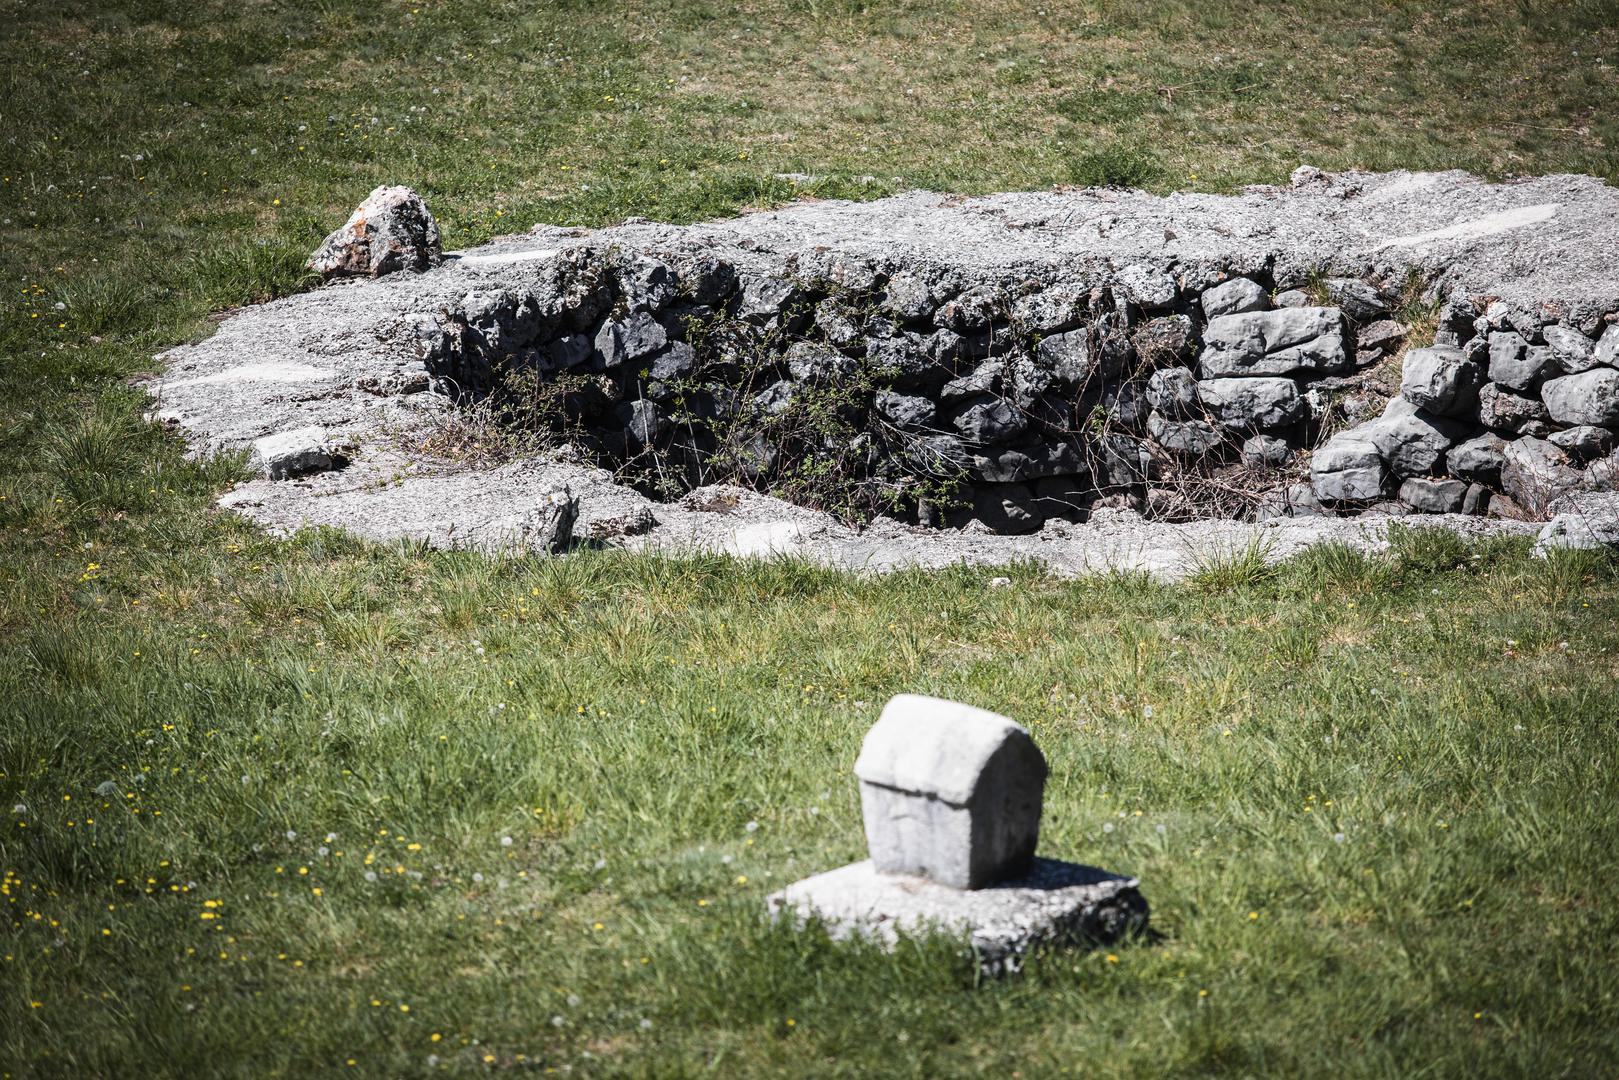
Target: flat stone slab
[(1056, 903)]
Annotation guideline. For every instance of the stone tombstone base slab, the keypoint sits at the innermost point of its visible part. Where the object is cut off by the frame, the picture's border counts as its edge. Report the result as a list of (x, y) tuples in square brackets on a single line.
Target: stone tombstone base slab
[(1054, 903)]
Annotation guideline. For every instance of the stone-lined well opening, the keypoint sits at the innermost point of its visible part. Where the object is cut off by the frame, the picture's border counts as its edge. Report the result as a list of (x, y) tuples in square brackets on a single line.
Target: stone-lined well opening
[(1013, 400)]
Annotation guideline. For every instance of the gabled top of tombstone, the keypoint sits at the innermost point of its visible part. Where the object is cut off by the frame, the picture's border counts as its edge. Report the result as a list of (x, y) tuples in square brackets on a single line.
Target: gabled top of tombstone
[(937, 747)]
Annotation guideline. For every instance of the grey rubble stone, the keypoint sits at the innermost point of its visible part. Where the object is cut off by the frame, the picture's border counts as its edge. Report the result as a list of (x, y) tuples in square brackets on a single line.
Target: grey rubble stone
[(568, 350), (1591, 397), (1189, 438), (1412, 443), (1051, 310), (1168, 339), (908, 297), (1478, 459), (988, 420), (1383, 334), (706, 279), (1126, 404), (1054, 904), (983, 379), (776, 397), (1477, 499), (1503, 410), (627, 340), (1123, 461), (1070, 359), (1252, 403), (915, 361), (391, 230), (1588, 520), (1358, 299), (1517, 365), (1585, 442), (1006, 508), (1265, 452), (939, 455), (949, 792), (1235, 297), (809, 361), (1607, 347), (1534, 473), (642, 420), (1573, 351), (1292, 298), (1433, 496), (1280, 342), (973, 310), (1147, 288), (1347, 469), (1457, 313), (1173, 391), (647, 284), (905, 410), (1295, 500), (1027, 462), (1440, 380), (675, 362), (837, 323), (549, 526), (763, 298), (1025, 381), (298, 452)]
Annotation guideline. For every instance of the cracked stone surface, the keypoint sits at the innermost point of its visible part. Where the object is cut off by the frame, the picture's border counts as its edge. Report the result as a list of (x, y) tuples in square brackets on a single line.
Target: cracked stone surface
[(349, 358), (1055, 903)]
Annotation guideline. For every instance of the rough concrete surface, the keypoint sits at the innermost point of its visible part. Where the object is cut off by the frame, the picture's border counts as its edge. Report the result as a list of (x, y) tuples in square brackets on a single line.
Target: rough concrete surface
[(347, 358)]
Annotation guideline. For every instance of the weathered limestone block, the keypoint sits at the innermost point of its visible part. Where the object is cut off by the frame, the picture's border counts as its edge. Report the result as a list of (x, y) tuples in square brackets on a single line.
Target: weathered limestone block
[(1413, 442), (1503, 410), (1191, 438), (1280, 342), (1591, 397), (1347, 469), (1516, 364), (1434, 496), (1587, 520), (391, 230), (1235, 297), (1585, 442), (1478, 459), (1245, 404), (1535, 473), (1265, 452), (549, 527), (298, 452), (950, 793), (1439, 379), (1573, 351), (1173, 392)]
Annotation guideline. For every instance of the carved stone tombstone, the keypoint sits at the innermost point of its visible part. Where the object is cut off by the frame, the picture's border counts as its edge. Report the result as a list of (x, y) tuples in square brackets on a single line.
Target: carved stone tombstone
[(951, 797), (950, 793)]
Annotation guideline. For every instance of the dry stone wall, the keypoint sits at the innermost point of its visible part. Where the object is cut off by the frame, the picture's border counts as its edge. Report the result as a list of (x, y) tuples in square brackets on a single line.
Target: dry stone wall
[(1507, 402), (1013, 400)]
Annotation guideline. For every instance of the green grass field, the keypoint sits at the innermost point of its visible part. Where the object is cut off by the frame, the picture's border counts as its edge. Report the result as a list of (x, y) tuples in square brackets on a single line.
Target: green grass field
[(308, 806)]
